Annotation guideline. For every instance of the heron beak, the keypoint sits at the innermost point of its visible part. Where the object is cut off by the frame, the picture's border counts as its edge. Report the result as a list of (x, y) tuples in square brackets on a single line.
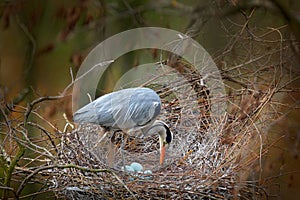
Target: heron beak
[(162, 154)]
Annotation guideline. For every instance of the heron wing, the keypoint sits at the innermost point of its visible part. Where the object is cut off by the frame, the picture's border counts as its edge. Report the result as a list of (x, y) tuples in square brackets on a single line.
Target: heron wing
[(86, 114), (144, 106), (124, 109)]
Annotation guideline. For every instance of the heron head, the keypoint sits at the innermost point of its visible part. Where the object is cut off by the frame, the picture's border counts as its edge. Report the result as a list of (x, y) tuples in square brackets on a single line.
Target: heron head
[(165, 136)]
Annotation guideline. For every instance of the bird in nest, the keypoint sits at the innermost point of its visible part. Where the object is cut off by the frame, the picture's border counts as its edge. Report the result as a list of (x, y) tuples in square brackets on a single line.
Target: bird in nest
[(128, 110)]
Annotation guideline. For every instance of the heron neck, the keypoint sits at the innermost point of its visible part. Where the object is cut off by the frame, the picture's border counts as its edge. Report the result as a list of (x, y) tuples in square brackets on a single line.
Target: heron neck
[(156, 128)]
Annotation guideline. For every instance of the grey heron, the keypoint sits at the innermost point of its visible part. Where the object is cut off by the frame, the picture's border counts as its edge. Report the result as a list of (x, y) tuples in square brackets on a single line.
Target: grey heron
[(128, 110)]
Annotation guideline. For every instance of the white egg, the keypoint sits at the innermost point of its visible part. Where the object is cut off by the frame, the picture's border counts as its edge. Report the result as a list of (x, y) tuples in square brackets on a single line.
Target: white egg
[(148, 172), (137, 167), (128, 168)]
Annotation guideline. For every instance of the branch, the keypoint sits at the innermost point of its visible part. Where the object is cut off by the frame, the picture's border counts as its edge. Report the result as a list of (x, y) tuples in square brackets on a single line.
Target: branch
[(10, 170), (45, 131), (9, 189), (36, 101), (26, 179), (101, 64)]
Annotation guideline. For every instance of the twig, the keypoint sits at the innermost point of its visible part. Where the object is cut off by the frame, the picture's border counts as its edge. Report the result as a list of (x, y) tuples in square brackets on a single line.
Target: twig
[(46, 121), (10, 189), (44, 131), (68, 123), (101, 64), (27, 178), (13, 164), (36, 101)]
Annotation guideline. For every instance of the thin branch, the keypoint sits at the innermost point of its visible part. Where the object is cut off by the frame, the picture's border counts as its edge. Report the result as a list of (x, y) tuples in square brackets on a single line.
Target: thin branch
[(101, 64), (26, 179), (36, 101), (44, 131), (10, 189)]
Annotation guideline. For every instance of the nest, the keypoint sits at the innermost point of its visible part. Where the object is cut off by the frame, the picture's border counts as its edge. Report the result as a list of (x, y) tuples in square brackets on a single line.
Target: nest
[(177, 180), (205, 161)]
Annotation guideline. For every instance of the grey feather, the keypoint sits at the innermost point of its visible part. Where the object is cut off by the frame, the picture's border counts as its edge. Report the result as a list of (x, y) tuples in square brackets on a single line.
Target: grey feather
[(124, 109)]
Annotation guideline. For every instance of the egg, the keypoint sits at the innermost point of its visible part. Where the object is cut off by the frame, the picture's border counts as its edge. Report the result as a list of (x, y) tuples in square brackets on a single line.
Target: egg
[(137, 167), (128, 168), (148, 172)]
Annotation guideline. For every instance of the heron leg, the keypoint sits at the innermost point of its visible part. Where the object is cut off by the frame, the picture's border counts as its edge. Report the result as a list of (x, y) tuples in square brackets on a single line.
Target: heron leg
[(124, 140), (111, 153), (116, 139)]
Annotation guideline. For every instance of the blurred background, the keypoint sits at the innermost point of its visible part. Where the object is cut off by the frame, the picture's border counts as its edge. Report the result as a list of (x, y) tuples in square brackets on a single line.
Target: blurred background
[(42, 41)]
